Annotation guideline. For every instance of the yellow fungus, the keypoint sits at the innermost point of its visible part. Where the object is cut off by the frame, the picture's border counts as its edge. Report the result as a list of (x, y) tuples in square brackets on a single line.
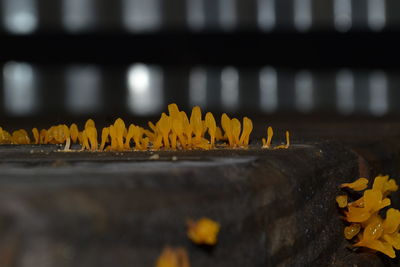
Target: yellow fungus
[(270, 134), (67, 136), (164, 125), (173, 257), (212, 127), (5, 137), (120, 129), (85, 141), (187, 128), (104, 137), (42, 136), (384, 184), (227, 127), (174, 131), (374, 232), (218, 134), (341, 201), (196, 123), (36, 135), (203, 232), (90, 123), (74, 131), (286, 146), (177, 128), (352, 230), (173, 110), (359, 185), (113, 137), (20, 137), (378, 245), (247, 129), (91, 134), (392, 221), (236, 129)]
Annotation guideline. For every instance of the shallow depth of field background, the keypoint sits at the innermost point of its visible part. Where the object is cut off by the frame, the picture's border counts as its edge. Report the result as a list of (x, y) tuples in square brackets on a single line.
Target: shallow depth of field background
[(66, 58)]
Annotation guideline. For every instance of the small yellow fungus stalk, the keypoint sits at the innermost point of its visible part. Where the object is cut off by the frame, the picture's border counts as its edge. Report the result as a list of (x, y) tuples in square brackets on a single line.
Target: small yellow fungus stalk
[(197, 124), (74, 132), (270, 134), (212, 127), (236, 129), (91, 134), (104, 137), (286, 146), (36, 135), (227, 127), (203, 232), (173, 257), (247, 129)]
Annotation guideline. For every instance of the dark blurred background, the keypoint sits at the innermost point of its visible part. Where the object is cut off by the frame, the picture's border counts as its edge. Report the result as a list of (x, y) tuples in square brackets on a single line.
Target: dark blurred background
[(100, 58)]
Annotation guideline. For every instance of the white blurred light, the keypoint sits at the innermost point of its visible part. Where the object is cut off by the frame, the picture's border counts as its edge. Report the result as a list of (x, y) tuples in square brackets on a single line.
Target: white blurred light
[(195, 14), (376, 14), (302, 15), (342, 15), (20, 16), (198, 87), (268, 89), (145, 94), (83, 89), (227, 14), (78, 15), (141, 15), (304, 91), (266, 14), (230, 88), (20, 88), (345, 92), (378, 93)]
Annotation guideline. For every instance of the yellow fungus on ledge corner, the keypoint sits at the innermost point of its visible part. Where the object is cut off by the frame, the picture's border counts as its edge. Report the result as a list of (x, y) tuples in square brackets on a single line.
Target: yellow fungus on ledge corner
[(358, 185), (367, 226), (173, 257), (203, 232)]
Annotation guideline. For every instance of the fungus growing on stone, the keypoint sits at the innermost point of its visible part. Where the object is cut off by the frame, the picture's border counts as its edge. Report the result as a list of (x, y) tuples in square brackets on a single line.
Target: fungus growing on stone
[(203, 232), (270, 134), (367, 226), (358, 185), (173, 257), (36, 135)]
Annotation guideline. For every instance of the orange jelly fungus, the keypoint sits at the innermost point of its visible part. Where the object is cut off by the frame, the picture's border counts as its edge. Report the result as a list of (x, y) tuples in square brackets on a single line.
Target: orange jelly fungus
[(358, 185), (366, 225), (203, 232), (341, 201), (173, 257), (173, 131)]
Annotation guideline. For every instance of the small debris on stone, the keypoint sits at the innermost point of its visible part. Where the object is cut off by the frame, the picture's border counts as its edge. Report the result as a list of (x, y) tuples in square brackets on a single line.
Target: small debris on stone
[(174, 158), (155, 157)]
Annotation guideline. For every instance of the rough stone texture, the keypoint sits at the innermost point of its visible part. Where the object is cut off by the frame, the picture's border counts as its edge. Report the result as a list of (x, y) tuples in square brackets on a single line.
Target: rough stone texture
[(276, 208)]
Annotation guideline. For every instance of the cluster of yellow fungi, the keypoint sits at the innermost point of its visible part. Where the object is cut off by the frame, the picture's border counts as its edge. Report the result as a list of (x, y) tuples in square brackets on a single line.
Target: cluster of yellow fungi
[(201, 232), (267, 142), (173, 131), (365, 224)]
